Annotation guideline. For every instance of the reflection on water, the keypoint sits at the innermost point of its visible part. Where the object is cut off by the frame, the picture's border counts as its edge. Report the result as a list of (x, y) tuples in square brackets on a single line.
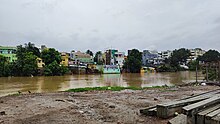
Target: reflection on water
[(9, 85)]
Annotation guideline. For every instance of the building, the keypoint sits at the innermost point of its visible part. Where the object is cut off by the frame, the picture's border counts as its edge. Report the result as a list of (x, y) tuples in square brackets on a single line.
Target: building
[(40, 63), (149, 58), (65, 58), (110, 56), (9, 53), (114, 57), (119, 58), (195, 53), (165, 54), (79, 57), (104, 58)]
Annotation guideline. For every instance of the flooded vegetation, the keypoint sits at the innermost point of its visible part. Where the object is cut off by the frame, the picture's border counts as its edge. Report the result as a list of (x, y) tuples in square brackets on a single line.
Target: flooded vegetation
[(10, 85)]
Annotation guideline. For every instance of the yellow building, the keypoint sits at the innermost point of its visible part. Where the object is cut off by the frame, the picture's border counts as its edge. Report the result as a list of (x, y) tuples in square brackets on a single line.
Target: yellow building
[(147, 70), (40, 63), (92, 66), (65, 59)]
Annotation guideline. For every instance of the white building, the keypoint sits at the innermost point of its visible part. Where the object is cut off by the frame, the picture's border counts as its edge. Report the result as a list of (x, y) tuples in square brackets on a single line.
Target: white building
[(119, 58), (195, 53), (166, 54)]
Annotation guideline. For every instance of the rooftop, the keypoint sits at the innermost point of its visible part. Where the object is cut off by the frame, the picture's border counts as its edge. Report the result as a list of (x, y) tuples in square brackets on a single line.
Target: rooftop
[(7, 47)]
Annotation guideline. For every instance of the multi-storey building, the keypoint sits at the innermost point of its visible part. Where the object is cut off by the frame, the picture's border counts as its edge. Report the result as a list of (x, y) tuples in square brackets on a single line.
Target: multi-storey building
[(149, 57), (65, 58), (195, 53), (110, 57), (166, 54), (9, 53), (120, 58), (40, 63), (79, 57)]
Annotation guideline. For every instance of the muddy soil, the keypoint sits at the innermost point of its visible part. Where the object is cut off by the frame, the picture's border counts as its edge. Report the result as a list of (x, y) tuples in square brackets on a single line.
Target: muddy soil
[(96, 107)]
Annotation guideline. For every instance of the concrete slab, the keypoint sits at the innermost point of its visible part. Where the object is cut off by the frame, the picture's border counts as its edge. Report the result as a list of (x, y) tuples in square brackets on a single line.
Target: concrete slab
[(208, 117), (193, 109), (180, 119), (200, 119), (215, 120), (150, 111), (166, 110)]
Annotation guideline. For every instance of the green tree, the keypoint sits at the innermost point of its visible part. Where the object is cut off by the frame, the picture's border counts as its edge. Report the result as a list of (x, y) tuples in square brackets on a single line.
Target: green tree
[(52, 59), (89, 52), (178, 57), (26, 63), (165, 68), (96, 58), (4, 67), (30, 67), (192, 65), (30, 47), (55, 69), (52, 69), (210, 56), (50, 55), (133, 62)]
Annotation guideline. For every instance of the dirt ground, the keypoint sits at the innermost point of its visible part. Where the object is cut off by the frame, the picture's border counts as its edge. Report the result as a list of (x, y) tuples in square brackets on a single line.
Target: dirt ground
[(95, 107)]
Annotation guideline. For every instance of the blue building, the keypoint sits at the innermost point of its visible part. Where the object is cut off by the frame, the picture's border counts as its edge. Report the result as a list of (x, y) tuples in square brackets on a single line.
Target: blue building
[(149, 57)]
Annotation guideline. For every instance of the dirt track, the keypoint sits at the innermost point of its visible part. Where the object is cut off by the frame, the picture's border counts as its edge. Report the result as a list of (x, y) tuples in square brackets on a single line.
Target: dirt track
[(89, 107)]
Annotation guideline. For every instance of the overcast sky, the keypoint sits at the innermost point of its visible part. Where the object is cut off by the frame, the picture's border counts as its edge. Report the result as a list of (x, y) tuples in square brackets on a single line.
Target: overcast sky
[(101, 24)]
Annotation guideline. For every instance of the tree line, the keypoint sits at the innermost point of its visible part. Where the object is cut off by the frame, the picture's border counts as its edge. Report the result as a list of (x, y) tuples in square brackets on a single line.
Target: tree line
[(179, 57), (26, 63)]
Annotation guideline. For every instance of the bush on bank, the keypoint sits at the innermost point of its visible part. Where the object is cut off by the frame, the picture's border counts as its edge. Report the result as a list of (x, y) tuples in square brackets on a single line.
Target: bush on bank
[(115, 88)]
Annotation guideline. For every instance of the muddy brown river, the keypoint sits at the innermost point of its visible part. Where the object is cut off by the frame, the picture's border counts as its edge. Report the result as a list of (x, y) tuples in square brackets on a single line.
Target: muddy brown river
[(10, 85)]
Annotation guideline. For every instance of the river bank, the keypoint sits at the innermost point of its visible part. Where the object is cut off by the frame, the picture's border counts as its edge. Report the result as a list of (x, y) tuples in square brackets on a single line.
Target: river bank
[(90, 107)]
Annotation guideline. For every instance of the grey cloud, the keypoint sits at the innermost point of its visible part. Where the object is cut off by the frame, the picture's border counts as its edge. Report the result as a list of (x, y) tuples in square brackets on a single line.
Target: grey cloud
[(102, 24)]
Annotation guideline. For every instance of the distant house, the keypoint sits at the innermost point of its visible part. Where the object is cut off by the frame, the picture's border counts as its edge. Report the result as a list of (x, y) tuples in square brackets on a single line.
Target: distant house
[(79, 57), (65, 58), (149, 57), (110, 56), (9, 53), (120, 58), (40, 63), (195, 53), (165, 54), (114, 57)]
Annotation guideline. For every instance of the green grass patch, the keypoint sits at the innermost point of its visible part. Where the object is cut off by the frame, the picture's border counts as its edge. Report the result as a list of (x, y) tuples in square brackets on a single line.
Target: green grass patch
[(156, 87), (101, 89), (115, 88), (15, 94)]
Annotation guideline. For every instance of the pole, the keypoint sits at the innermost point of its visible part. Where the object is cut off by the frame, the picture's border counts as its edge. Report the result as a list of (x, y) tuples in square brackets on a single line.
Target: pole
[(207, 78), (196, 73), (216, 70)]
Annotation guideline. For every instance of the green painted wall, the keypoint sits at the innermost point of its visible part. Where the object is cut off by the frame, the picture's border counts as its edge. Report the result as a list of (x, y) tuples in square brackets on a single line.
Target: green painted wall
[(9, 53), (85, 60), (111, 69)]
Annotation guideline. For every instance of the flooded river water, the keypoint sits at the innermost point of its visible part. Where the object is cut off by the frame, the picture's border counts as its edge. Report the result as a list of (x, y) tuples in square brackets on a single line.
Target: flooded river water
[(10, 85)]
